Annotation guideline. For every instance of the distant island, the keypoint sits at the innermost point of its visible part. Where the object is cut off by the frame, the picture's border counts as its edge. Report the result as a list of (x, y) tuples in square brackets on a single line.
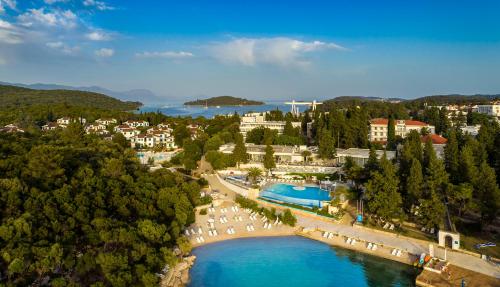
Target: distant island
[(224, 101)]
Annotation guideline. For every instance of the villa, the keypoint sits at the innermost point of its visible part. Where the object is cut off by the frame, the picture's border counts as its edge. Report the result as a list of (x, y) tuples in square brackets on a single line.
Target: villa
[(378, 128), (98, 129), (106, 121), (67, 120), (136, 124), (52, 126), (251, 121), (11, 128)]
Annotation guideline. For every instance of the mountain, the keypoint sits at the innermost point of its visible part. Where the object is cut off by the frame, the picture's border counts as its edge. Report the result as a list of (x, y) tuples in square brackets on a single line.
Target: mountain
[(364, 99), (13, 97), (136, 95), (457, 99), (224, 101)]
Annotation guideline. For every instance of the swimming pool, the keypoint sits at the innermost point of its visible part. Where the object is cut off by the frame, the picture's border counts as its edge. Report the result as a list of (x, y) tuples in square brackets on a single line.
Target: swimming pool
[(309, 196)]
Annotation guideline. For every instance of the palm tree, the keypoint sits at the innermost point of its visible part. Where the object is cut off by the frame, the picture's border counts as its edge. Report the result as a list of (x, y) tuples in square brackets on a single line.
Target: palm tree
[(254, 173)]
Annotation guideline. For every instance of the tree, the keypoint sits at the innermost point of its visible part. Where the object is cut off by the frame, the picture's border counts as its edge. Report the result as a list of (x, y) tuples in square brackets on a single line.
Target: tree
[(240, 154), (372, 165), (288, 218), (180, 134), (306, 155), (414, 184), (289, 129), (452, 157), (382, 196), (460, 197), (431, 211), (326, 146), (192, 154), (213, 143), (254, 173), (488, 193), (429, 154), (120, 139), (391, 134), (269, 162), (255, 135), (468, 169)]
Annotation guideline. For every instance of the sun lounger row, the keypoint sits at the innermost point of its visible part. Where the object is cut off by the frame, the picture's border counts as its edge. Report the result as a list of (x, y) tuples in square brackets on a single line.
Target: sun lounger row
[(389, 226), (230, 230), (211, 209), (396, 252), (371, 246), (238, 218), (234, 208), (431, 231), (200, 239), (350, 241), (250, 227), (328, 235), (264, 219), (210, 224), (267, 225), (193, 231), (277, 221), (223, 219), (213, 232)]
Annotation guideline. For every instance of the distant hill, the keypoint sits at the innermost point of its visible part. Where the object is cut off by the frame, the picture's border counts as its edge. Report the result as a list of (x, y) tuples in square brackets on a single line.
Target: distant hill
[(16, 97), (224, 101), (136, 95), (364, 99), (457, 99)]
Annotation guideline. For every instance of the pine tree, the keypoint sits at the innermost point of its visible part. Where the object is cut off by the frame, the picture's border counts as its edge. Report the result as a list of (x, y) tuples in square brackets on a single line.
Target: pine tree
[(451, 157), (269, 162), (468, 169), (391, 134), (326, 145), (382, 196), (240, 154), (488, 193), (414, 184), (431, 211), (289, 130), (429, 155)]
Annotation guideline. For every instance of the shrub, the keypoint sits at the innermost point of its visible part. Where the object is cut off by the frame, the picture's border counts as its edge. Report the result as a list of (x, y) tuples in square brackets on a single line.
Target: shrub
[(203, 211)]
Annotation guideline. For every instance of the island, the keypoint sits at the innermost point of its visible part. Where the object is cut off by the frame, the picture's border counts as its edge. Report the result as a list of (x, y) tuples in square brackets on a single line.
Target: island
[(224, 101)]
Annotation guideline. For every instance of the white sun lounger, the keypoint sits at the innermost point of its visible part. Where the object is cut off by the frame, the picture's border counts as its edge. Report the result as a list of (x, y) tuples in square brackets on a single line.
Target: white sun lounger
[(210, 233), (369, 246), (386, 225), (353, 242), (398, 254), (200, 231), (330, 236), (348, 241), (374, 247), (192, 231), (198, 240), (394, 251), (325, 234), (186, 232), (269, 226), (392, 227), (432, 231)]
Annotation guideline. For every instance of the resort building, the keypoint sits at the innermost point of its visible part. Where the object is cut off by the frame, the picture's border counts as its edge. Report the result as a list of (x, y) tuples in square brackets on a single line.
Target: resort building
[(471, 130), (106, 121), (52, 126), (360, 156), (378, 128), (136, 124), (127, 131), (98, 129), (67, 120), (492, 109), (282, 154), (251, 121)]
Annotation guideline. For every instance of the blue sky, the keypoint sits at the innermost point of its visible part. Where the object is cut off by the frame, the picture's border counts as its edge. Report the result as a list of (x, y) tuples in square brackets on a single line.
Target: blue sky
[(255, 49)]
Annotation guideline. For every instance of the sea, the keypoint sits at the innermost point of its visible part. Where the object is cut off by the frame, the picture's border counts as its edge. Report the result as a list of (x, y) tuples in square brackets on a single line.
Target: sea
[(292, 261), (179, 110)]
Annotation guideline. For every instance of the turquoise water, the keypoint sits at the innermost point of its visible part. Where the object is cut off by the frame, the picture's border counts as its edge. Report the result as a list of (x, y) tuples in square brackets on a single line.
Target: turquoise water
[(292, 261), (310, 196)]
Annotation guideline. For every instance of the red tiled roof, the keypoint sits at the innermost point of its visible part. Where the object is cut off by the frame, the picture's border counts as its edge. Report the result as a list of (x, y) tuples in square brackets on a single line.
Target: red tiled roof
[(436, 139), (380, 121)]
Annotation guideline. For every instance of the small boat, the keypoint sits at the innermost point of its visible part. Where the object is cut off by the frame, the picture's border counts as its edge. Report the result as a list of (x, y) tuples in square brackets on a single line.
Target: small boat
[(218, 107)]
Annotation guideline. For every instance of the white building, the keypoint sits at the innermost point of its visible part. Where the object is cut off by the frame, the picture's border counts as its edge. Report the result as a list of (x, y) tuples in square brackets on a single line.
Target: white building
[(106, 121), (492, 109), (67, 120), (52, 126), (143, 140), (360, 155), (11, 128), (136, 124), (251, 121), (282, 154), (99, 129), (378, 128)]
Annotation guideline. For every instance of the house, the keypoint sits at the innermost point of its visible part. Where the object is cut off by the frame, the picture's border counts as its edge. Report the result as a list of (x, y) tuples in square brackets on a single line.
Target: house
[(250, 121), (129, 133), (163, 136), (136, 124), (99, 129), (379, 127), (11, 128), (52, 126), (106, 121), (67, 120), (471, 130), (438, 143), (143, 140)]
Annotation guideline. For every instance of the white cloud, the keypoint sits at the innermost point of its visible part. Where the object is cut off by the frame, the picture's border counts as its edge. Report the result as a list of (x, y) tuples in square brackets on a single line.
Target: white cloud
[(277, 51), (57, 18), (63, 48), (98, 35), (7, 3), (9, 34), (99, 5), (165, 54), (105, 52)]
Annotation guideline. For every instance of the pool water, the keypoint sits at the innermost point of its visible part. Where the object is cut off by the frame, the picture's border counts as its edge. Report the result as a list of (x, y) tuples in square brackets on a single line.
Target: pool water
[(303, 195), (292, 261)]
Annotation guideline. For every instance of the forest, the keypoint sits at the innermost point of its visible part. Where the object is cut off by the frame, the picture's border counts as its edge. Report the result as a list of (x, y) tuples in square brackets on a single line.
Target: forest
[(76, 210)]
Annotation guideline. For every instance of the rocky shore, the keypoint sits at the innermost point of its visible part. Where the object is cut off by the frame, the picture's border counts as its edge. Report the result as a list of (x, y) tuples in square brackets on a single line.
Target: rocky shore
[(179, 275)]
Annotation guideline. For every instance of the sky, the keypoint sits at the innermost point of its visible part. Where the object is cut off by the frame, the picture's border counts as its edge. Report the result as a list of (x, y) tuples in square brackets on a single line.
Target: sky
[(262, 50)]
